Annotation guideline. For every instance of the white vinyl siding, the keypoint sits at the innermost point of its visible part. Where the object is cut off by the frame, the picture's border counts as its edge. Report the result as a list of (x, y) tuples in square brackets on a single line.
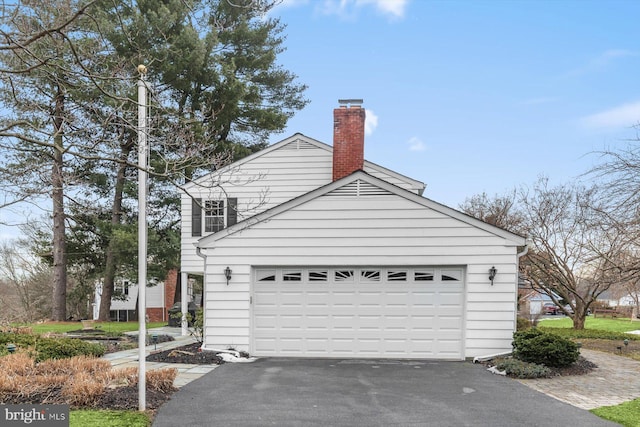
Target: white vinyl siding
[(294, 167), (341, 230)]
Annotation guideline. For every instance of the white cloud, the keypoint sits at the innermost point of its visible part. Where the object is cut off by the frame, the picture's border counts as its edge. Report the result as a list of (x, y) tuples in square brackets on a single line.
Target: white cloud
[(623, 116), (370, 122), (416, 144), (612, 54), (602, 61), (348, 8)]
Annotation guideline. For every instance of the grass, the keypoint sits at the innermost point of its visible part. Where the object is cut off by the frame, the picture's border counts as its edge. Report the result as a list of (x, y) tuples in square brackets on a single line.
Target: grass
[(112, 327), (600, 323), (103, 418), (626, 414)]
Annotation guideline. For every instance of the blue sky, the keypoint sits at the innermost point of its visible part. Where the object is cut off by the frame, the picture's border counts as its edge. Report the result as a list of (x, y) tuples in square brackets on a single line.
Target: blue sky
[(470, 96)]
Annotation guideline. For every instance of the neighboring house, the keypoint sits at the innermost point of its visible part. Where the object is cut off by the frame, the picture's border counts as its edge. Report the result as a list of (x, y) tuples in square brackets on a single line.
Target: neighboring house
[(328, 255), (628, 300), (159, 300)]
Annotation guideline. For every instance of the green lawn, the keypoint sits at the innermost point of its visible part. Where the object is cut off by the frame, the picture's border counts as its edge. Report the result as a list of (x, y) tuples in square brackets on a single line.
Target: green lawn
[(626, 414), (600, 323), (61, 327), (101, 418)]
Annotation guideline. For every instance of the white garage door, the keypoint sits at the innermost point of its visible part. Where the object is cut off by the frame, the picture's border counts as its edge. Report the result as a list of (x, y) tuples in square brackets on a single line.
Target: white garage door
[(358, 312)]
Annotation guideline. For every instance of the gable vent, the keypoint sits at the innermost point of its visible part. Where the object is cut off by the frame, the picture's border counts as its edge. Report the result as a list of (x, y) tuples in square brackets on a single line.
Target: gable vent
[(360, 188), (298, 144)]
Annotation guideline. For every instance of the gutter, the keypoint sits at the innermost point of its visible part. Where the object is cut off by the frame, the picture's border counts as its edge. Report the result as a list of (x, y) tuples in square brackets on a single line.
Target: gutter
[(490, 356), (526, 249)]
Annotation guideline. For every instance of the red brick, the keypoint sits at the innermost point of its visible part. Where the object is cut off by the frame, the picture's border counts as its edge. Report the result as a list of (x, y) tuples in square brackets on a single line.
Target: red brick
[(348, 140)]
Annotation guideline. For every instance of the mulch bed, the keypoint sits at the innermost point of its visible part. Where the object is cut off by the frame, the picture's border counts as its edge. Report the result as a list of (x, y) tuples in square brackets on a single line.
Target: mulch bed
[(581, 367), (123, 398), (189, 354)]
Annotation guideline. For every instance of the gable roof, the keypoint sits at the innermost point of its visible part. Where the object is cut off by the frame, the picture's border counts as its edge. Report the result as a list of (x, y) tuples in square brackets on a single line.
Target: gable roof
[(361, 182), (299, 138)]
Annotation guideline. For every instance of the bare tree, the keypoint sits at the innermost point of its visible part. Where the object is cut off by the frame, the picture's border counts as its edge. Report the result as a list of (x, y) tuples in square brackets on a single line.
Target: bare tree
[(499, 210), (27, 283), (571, 246)]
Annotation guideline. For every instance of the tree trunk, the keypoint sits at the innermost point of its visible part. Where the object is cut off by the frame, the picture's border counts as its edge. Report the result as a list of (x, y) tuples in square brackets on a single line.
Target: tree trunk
[(578, 321), (59, 310), (116, 218)]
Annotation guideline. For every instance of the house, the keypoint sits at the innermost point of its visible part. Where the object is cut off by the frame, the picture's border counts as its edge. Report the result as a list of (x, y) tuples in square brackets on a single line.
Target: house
[(125, 308), (628, 300), (308, 250)]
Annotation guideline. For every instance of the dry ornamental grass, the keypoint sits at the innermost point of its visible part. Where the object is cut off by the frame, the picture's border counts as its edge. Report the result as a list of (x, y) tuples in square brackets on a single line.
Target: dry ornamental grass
[(81, 382)]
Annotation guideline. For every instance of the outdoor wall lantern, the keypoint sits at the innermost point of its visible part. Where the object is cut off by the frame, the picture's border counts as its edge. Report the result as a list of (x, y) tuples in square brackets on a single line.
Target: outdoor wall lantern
[(227, 274), (492, 274)]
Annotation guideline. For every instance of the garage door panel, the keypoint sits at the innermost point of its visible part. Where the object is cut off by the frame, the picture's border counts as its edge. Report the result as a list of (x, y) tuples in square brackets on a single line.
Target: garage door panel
[(354, 312)]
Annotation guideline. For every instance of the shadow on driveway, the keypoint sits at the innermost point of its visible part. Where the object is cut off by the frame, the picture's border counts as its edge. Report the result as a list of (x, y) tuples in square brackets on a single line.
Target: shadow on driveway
[(348, 392)]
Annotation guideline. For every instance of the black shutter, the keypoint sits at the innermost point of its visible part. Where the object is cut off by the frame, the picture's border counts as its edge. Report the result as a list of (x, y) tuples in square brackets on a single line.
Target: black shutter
[(196, 217), (232, 211)]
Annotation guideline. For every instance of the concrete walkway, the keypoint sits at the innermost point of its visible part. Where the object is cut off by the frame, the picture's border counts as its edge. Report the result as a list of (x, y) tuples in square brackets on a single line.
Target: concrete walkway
[(614, 381), (186, 372)]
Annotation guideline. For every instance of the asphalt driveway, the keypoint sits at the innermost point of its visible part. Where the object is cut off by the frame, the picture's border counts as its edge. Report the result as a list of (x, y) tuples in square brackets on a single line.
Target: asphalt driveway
[(337, 392)]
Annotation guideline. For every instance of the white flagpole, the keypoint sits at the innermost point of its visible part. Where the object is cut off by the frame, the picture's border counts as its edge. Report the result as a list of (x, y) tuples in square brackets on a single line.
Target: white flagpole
[(142, 237)]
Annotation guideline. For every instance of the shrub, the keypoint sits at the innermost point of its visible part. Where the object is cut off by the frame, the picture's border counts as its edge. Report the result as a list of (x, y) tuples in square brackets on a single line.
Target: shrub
[(196, 324), (82, 390), (161, 379), (536, 346), (63, 348), (52, 348), (523, 323), (524, 370)]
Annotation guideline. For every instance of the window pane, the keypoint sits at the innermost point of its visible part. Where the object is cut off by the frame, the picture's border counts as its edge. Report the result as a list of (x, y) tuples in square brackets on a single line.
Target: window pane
[(213, 215), (451, 275), (292, 276), (397, 276), (344, 276), (266, 275), (423, 276), (370, 275), (318, 275)]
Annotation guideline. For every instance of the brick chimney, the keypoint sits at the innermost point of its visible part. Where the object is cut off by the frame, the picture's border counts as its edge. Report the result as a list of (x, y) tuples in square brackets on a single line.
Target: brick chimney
[(348, 138)]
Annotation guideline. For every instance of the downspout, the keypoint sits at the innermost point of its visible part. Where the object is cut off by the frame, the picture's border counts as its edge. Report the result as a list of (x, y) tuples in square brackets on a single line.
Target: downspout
[(520, 255)]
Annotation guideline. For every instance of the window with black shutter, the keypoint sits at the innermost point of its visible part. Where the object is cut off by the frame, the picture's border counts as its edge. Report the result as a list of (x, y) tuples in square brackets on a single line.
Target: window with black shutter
[(196, 217)]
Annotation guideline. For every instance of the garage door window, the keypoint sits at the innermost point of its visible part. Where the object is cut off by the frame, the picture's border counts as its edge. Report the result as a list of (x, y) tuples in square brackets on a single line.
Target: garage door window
[(423, 276), (370, 275), (318, 275), (344, 276), (266, 275), (292, 276), (397, 276), (451, 275)]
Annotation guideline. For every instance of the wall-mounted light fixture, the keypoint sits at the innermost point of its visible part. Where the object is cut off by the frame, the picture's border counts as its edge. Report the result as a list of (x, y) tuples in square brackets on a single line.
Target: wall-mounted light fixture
[(492, 274), (227, 274)]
